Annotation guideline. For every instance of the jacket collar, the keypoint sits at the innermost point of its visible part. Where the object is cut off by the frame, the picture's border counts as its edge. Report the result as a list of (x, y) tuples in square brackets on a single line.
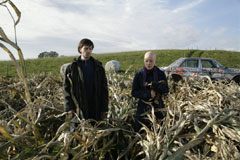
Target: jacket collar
[(96, 62)]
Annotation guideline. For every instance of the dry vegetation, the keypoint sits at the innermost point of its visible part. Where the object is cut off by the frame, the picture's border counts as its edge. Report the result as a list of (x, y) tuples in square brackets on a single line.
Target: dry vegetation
[(201, 122), (202, 119)]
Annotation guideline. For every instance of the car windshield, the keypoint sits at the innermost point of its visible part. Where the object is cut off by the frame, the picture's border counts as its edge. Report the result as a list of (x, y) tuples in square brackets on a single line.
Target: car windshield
[(219, 65), (176, 62)]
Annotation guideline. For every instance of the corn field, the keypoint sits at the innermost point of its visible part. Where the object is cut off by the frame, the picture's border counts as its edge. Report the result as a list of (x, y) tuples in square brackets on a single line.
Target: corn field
[(202, 121), (202, 118)]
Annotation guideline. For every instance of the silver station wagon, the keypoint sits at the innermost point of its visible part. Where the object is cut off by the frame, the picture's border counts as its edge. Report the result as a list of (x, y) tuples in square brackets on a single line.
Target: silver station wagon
[(185, 67)]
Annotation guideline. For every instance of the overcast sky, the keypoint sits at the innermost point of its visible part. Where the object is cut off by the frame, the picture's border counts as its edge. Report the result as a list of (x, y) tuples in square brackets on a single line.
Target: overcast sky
[(123, 25)]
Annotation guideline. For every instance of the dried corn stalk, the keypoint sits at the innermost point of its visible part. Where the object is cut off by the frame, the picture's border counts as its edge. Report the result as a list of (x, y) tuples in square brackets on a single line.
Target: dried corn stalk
[(201, 122)]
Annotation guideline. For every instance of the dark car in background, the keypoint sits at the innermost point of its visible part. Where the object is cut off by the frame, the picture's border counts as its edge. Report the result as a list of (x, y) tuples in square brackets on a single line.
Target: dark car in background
[(185, 67)]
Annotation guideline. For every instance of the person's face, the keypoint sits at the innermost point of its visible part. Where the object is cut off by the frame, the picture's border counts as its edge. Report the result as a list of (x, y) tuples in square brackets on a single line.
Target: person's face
[(149, 62), (86, 51)]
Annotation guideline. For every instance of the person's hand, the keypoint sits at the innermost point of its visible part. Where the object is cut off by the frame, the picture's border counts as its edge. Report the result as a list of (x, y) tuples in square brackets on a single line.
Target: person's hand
[(153, 94)]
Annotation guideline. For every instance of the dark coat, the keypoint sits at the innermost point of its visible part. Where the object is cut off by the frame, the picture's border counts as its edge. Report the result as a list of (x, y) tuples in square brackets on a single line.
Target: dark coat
[(143, 93), (100, 96)]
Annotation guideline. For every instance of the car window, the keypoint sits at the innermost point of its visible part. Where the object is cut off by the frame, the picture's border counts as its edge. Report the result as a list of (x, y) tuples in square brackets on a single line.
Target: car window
[(190, 63), (208, 64)]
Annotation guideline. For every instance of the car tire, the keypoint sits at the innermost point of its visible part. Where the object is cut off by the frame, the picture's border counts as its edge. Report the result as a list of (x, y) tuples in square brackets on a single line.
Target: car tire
[(176, 78), (237, 79)]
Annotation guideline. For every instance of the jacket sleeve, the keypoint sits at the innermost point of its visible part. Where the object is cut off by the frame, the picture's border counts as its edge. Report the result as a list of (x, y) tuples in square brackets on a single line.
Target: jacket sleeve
[(68, 101), (138, 91), (104, 93)]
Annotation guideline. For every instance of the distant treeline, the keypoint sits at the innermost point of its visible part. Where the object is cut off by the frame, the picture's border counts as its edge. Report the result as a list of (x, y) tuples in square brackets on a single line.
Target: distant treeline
[(48, 54)]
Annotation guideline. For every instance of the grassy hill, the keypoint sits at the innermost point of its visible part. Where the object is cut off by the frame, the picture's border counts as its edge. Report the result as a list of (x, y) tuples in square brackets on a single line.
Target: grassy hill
[(126, 59)]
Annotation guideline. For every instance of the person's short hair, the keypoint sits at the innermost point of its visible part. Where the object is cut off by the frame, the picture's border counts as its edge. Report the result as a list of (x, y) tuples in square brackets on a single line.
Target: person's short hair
[(85, 42), (150, 53)]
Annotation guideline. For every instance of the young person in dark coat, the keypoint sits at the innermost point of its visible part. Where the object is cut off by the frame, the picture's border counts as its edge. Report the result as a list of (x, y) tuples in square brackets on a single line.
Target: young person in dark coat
[(85, 85), (148, 86)]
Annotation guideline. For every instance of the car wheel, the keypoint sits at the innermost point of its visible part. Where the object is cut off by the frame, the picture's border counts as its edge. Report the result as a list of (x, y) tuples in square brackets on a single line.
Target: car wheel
[(176, 78), (237, 80)]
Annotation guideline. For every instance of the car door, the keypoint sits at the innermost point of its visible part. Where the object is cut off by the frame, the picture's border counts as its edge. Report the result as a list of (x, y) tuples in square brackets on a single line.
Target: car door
[(209, 68), (190, 67)]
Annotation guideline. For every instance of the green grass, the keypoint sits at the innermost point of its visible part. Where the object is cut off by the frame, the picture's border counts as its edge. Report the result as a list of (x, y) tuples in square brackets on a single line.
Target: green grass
[(164, 58)]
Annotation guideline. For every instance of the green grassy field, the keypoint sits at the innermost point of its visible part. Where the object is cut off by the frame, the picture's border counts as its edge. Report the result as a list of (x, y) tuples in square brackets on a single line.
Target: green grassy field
[(126, 59)]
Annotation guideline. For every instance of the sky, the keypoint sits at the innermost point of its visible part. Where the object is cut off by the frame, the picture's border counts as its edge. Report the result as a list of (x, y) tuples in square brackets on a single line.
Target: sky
[(122, 25)]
